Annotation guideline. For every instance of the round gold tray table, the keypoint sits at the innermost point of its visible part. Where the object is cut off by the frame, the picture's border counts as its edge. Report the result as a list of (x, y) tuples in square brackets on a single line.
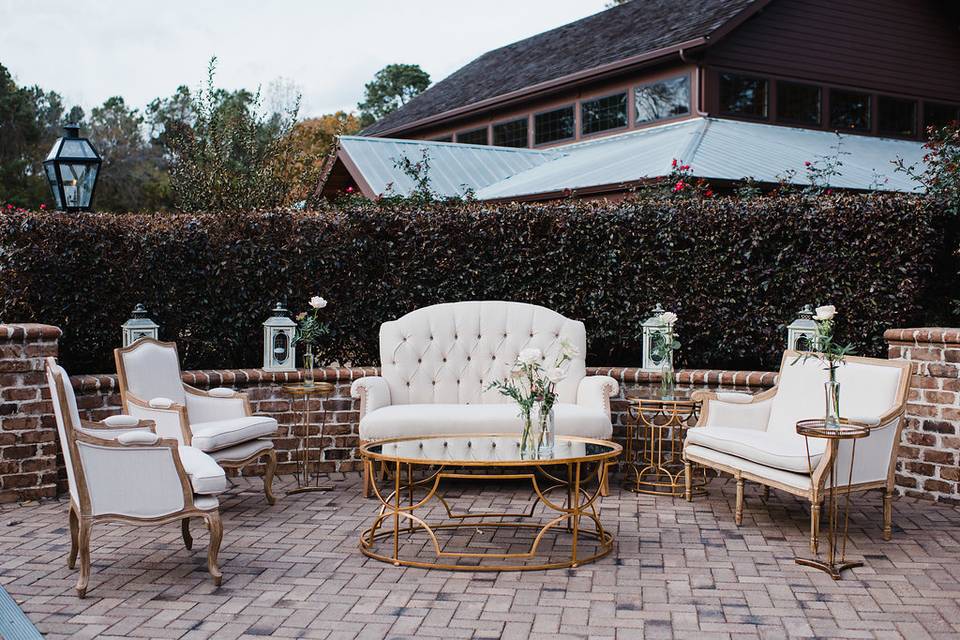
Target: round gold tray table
[(306, 481), (408, 473)]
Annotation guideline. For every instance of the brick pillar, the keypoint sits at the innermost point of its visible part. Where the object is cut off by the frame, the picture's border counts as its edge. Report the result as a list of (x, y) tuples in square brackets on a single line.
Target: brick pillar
[(930, 449), (28, 441)]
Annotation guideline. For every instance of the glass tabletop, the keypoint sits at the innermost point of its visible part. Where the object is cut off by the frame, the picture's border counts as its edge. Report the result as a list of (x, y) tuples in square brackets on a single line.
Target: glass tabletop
[(486, 450)]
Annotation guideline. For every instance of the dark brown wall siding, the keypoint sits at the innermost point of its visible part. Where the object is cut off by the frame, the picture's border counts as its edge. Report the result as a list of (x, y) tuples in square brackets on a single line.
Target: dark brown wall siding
[(897, 46)]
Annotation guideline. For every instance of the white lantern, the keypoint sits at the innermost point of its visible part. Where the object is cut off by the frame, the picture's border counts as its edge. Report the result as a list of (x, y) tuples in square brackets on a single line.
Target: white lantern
[(279, 353), (651, 326), (802, 332), (139, 326)]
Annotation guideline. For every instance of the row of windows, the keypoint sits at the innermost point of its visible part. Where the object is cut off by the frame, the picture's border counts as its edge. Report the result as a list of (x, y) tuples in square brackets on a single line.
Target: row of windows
[(659, 100), (801, 104)]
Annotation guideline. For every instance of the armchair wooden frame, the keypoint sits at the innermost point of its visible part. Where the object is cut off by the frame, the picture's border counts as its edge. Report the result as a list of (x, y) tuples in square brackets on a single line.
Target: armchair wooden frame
[(893, 419), (180, 411), (82, 518)]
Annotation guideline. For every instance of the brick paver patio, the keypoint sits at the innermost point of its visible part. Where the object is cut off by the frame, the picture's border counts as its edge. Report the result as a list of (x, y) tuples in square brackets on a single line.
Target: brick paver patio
[(679, 570)]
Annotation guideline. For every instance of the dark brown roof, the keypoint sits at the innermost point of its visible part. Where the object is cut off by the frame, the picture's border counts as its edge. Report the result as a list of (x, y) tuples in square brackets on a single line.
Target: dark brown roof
[(628, 30)]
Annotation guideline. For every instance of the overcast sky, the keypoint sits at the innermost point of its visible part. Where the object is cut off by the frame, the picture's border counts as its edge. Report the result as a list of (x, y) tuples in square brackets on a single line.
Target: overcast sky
[(89, 51)]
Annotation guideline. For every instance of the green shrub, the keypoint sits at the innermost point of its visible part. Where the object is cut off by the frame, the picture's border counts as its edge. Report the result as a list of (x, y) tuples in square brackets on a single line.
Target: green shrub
[(734, 271)]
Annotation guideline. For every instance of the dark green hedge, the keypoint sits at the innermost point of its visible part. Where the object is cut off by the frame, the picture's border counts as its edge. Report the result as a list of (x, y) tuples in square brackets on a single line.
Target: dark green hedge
[(735, 272)]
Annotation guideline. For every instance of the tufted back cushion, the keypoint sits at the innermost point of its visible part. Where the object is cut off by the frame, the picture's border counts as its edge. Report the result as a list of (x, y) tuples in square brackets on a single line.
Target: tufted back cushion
[(449, 353), (152, 371)]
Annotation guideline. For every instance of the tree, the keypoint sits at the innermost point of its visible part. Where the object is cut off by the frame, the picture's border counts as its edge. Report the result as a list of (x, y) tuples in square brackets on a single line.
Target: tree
[(313, 141), (392, 87)]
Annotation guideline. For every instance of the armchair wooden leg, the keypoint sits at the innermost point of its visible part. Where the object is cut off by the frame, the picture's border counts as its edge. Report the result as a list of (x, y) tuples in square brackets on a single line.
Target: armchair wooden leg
[(268, 476), (738, 514), (185, 532), (83, 544), (814, 526), (74, 534), (216, 536), (688, 481), (887, 514)]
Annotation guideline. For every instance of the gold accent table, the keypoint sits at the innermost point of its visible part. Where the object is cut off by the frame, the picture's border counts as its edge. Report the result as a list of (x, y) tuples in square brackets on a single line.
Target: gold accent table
[(305, 481), (654, 451), (568, 483), (817, 428)]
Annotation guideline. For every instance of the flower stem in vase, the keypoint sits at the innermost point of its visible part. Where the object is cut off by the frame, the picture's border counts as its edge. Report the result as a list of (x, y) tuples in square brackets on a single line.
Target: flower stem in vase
[(308, 364)]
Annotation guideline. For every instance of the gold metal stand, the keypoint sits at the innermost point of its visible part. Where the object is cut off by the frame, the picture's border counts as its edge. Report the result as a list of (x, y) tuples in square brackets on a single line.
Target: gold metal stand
[(305, 481), (833, 565), (654, 447)]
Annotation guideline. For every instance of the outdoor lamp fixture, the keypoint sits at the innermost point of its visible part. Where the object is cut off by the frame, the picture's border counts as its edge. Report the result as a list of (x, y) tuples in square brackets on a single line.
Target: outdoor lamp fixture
[(802, 332), (72, 167), (651, 326), (278, 347), (139, 326)]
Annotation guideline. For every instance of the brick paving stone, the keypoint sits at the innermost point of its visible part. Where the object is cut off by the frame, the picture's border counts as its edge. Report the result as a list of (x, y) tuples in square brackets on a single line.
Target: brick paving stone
[(680, 570)]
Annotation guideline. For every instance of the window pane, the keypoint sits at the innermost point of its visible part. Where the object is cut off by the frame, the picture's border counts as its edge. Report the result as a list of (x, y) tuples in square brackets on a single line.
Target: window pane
[(798, 103), (939, 115), (477, 136), (554, 125), (511, 134), (849, 110), (604, 113), (896, 116), (743, 95), (661, 100)]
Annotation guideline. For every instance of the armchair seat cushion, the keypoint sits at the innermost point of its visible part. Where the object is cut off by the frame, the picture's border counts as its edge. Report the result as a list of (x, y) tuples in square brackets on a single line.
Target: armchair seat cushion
[(206, 476), (443, 419), (220, 434), (778, 450)]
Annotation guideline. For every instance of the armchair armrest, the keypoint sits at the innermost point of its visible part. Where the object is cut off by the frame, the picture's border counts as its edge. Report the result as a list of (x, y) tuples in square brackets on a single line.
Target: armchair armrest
[(114, 426), (169, 422), (216, 404), (734, 409), (373, 393), (596, 391)]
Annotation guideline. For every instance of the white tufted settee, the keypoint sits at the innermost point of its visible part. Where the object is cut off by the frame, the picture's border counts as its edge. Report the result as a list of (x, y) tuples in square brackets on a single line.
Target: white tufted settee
[(437, 363)]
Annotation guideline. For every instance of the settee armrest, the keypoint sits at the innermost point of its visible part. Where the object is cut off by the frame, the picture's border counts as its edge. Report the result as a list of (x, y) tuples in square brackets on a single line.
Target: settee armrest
[(734, 409), (373, 393), (596, 391)]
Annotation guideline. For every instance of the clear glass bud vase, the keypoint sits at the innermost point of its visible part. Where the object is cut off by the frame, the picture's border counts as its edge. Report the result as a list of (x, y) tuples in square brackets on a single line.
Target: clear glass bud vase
[(545, 431), (832, 390), (308, 363), (668, 378), (528, 439)]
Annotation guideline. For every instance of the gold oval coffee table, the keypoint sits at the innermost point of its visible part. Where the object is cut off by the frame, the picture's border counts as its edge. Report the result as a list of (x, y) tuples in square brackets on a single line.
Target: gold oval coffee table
[(412, 470)]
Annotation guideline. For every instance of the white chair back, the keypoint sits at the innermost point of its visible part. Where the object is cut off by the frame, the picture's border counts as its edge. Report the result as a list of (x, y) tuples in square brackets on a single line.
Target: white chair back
[(68, 418), (151, 370), (450, 353)]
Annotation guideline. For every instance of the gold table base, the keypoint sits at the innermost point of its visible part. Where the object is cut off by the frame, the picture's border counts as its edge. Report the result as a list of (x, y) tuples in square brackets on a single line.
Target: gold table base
[(307, 483)]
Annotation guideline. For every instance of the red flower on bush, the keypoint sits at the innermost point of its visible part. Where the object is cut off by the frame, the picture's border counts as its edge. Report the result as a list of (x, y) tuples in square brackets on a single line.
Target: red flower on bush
[(708, 193), (679, 186), (43, 207), (349, 189), (685, 167), (674, 163)]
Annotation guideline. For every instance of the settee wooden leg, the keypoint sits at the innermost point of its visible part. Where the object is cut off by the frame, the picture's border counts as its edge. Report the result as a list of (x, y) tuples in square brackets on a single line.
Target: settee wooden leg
[(688, 481), (185, 532), (216, 537), (738, 514), (74, 534), (268, 476), (814, 526), (887, 514), (83, 544)]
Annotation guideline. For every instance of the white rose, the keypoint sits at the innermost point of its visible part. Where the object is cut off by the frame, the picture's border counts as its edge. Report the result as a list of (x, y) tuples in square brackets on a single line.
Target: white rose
[(556, 374), (668, 317), (317, 302), (825, 313), (568, 349), (530, 356)]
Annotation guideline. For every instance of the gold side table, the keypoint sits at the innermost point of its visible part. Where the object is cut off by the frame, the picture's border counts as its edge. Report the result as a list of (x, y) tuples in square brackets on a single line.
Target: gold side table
[(654, 447), (817, 428), (305, 480)]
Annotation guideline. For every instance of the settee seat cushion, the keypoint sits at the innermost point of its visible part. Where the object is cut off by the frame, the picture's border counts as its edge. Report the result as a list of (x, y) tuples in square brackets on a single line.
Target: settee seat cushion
[(778, 450), (401, 420), (220, 434)]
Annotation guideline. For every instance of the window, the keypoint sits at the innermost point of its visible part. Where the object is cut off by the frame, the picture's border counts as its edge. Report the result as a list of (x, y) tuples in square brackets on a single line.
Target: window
[(938, 115), (553, 125), (849, 110), (603, 113), (476, 136), (798, 103), (896, 116), (444, 139), (511, 134), (662, 100), (743, 95)]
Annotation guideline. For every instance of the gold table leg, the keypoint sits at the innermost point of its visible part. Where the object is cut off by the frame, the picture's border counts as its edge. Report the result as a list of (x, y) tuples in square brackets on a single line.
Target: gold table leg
[(656, 461), (306, 484)]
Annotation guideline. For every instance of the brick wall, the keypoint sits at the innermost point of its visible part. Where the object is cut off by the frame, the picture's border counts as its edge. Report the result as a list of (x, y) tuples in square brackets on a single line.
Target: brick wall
[(930, 451)]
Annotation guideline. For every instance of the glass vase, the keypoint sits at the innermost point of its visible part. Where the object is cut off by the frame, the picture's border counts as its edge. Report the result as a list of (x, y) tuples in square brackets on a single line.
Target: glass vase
[(545, 432), (308, 363), (832, 390), (528, 440), (668, 378)]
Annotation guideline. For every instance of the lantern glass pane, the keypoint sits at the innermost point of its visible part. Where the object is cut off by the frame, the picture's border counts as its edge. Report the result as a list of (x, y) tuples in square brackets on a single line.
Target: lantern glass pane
[(78, 180), (52, 179), (77, 149), (53, 150)]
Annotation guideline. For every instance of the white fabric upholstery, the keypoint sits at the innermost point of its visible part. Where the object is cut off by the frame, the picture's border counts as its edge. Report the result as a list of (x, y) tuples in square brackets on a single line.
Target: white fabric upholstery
[(736, 414), (202, 408), (241, 452), (137, 436), (166, 421), (222, 392), (220, 434), (800, 481), (206, 476), (161, 403), (450, 353), (121, 421), (436, 419), (206, 503), (594, 392), (475, 450), (734, 397), (152, 371), (373, 393), (137, 481), (766, 448), (74, 416)]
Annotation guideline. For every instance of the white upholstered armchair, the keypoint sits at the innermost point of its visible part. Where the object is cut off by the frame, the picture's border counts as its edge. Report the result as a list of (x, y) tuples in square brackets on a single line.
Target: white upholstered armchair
[(754, 438), (120, 470), (218, 422), (437, 364)]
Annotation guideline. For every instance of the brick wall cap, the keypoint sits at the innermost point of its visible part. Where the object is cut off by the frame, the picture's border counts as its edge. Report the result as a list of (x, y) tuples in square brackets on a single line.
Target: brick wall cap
[(29, 330), (922, 335), (690, 376)]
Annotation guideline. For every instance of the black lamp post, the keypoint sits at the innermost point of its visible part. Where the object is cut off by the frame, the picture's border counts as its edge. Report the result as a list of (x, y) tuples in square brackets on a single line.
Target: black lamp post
[(72, 167)]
